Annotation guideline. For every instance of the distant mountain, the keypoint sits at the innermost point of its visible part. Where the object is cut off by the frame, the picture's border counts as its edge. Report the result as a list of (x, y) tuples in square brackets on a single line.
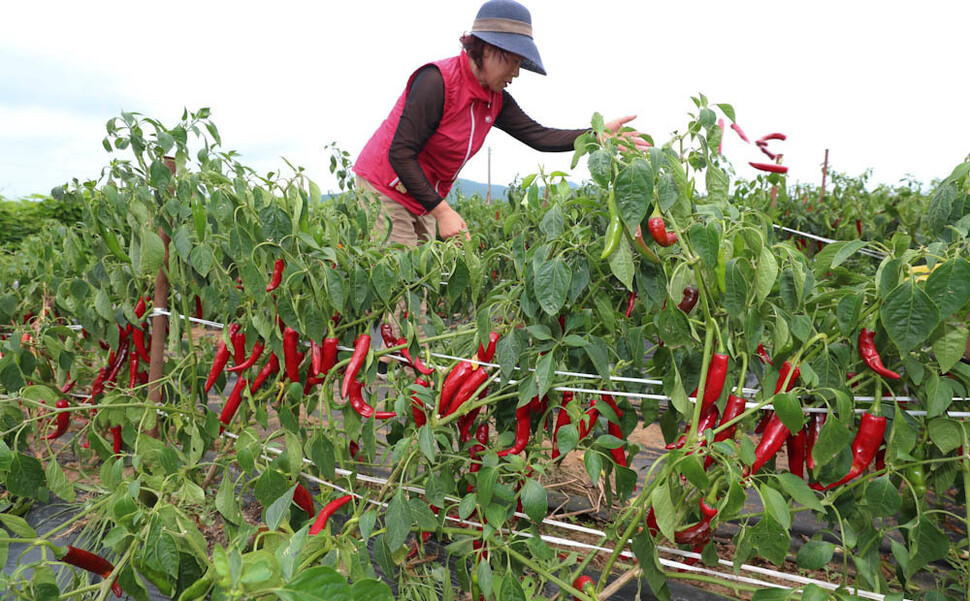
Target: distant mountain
[(467, 187)]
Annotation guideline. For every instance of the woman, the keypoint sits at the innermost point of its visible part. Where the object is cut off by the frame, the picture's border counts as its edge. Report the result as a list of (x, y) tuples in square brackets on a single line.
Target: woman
[(441, 119)]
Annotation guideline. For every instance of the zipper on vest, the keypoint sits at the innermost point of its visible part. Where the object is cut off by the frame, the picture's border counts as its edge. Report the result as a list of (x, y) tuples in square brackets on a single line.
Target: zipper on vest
[(471, 141)]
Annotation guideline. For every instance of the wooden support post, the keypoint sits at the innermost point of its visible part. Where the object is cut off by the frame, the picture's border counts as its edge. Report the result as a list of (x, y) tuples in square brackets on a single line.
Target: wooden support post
[(159, 322), (825, 172)]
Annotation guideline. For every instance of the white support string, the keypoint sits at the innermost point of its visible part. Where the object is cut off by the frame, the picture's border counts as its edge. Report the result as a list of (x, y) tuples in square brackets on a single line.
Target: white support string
[(875, 254)]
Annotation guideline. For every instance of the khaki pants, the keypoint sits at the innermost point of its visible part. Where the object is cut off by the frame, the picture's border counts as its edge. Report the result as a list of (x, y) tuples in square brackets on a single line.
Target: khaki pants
[(406, 227)]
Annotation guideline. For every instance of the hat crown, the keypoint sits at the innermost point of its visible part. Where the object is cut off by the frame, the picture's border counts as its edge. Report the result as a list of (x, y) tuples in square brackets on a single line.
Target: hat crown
[(504, 9)]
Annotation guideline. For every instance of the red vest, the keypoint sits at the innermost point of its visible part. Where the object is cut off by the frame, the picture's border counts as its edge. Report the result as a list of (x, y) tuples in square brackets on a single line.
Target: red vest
[(469, 112)]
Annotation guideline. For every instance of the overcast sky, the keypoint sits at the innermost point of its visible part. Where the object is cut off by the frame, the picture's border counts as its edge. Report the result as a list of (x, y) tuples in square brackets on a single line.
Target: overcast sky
[(883, 85)]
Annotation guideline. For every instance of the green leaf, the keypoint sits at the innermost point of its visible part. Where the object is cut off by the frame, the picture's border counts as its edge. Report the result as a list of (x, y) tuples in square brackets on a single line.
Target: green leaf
[(551, 285), (634, 191), (201, 260), (775, 505), (735, 289), (766, 274), (398, 521), (646, 554), (946, 434), (17, 525), (226, 501), (909, 316), (275, 222), (949, 286), (369, 589), (26, 477), (931, 545), (882, 498), (814, 592), (534, 501), (426, 442), (279, 509), (789, 411), (831, 440), (152, 252), (771, 594), (664, 511), (621, 263), (949, 347), (847, 312), (815, 554), (771, 540), (58, 482), (706, 241), (799, 491), (600, 164), (552, 224), (319, 583)]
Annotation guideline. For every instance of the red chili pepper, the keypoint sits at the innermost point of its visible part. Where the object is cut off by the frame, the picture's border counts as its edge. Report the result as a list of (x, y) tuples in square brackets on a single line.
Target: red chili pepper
[(357, 358), (769, 167), (797, 445), (783, 375), (112, 376), (659, 233), (870, 356), (465, 424), (737, 130), (316, 358), (618, 454), (522, 425), (763, 354), (764, 148), (453, 381), (716, 374), (115, 439), (814, 428), (475, 379), (132, 370), (562, 420), (630, 303), (417, 407), (304, 500), (414, 362), (328, 510), (138, 336), (652, 524), (735, 406), (867, 440), (92, 563), (274, 282), (291, 353), (253, 357), (360, 405), (272, 367), (707, 420), (63, 421), (694, 535), (858, 226), (771, 441), (481, 435), (140, 307), (329, 357), (68, 386), (198, 307), (486, 354), (765, 138), (220, 361), (232, 403), (581, 583), (238, 340), (690, 299), (98, 386), (387, 333)]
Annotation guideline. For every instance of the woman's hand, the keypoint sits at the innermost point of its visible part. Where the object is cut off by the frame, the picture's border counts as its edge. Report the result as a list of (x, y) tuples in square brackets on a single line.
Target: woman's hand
[(613, 127), (450, 223)]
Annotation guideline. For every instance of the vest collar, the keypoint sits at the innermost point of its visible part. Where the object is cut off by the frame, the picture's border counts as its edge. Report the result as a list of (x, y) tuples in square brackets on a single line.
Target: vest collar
[(472, 84)]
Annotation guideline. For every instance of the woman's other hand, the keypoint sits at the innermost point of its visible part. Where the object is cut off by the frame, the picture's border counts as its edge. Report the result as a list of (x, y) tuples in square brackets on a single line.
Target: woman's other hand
[(615, 125)]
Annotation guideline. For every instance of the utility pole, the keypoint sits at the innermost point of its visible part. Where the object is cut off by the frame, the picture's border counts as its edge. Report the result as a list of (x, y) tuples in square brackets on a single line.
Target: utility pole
[(488, 190), (825, 171)]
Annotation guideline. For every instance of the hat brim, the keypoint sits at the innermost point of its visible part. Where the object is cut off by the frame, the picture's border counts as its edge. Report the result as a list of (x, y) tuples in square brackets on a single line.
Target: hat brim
[(516, 44)]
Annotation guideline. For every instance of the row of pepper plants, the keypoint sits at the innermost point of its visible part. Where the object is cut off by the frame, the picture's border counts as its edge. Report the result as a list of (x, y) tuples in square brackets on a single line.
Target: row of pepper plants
[(634, 274)]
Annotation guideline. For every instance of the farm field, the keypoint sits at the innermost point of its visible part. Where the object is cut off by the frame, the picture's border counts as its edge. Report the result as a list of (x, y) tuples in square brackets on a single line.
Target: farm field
[(669, 379)]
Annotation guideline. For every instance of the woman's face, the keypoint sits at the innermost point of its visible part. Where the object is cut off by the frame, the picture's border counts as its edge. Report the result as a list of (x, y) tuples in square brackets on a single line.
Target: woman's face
[(497, 72)]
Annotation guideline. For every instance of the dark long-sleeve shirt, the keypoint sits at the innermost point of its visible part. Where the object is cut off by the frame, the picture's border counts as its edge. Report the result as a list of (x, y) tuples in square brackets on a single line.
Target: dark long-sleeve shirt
[(423, 109)]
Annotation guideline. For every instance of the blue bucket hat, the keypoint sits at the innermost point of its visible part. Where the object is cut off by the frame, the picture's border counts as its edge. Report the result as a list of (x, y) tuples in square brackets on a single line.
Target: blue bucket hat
[(506, 24)]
